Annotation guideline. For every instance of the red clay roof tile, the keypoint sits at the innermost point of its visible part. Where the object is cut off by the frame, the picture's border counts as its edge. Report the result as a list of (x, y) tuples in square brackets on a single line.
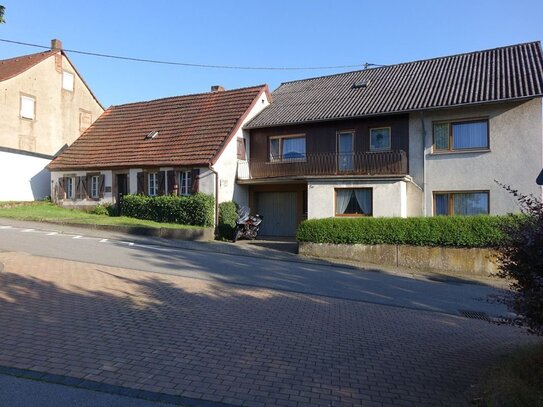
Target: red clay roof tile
[(191, 131), (14, 66)]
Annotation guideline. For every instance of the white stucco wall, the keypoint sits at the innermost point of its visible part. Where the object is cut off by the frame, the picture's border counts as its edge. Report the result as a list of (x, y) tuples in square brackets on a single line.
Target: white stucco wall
[(227, 163), (389, 197), (57, 111), (24, 177), (515, 157)]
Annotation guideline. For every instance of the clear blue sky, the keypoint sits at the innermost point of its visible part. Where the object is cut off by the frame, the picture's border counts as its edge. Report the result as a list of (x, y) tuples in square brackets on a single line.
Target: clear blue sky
[(258, 33)]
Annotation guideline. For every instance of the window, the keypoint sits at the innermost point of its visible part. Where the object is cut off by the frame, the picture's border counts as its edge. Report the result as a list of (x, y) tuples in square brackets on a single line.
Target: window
[(67, 81), (461, 203), (354, 202), (153, 183), (184, 182), (95, 186), (69, 188), (380, 139), (27, 107), (464, 135), (287, 148), (345, 141)]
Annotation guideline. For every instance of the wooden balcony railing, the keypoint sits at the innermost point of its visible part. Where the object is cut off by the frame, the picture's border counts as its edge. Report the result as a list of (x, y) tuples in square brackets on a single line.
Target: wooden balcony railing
[(374, 163)]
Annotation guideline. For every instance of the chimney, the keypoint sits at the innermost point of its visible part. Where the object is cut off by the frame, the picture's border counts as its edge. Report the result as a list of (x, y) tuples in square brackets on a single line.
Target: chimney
[(217, 88), (56, 44)]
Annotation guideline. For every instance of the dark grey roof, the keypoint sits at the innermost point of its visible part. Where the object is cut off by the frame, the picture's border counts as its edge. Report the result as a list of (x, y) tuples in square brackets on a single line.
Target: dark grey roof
[(507, 73)]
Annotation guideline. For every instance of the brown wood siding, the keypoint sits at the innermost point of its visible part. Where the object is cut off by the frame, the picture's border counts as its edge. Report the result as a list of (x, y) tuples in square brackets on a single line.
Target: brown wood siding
[(322, 137)]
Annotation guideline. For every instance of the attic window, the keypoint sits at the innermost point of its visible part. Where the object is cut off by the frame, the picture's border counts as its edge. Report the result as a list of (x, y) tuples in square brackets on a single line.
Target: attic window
[(151, 135), (360, 84)]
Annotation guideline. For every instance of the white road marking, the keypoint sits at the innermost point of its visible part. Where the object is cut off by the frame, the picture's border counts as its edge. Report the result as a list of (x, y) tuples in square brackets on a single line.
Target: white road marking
[(27, 230), (6, 227), (103, 241), (52, 234), (77, 237)]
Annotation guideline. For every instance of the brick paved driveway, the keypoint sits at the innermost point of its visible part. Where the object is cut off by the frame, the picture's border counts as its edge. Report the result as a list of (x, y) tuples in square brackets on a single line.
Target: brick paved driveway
[(232, 344)]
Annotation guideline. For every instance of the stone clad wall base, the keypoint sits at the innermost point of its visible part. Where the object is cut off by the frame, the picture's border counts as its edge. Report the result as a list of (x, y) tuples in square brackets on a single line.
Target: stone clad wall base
[(477, 262)]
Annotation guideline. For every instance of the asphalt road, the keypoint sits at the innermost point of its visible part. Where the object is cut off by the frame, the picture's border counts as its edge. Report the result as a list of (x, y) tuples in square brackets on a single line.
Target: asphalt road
[(263, 268)]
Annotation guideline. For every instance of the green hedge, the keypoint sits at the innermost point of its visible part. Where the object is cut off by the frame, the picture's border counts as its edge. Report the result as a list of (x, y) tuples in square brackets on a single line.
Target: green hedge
[(228, 215), (452, 231), (195, 210)]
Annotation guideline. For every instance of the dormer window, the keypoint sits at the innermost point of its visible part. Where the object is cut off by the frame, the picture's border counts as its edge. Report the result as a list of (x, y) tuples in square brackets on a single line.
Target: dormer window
[(68, 81), (151, 135)]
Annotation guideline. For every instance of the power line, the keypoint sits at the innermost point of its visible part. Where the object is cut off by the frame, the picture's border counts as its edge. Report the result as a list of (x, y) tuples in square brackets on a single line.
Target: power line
[(193, 65)]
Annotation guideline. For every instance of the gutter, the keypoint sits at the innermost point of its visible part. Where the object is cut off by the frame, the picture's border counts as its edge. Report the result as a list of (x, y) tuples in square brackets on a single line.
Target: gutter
[(216, 194), (424, 205)]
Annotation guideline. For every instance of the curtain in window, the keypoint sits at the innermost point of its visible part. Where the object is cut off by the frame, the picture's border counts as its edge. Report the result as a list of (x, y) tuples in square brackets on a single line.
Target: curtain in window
[(442, 204), (294, 147), (274, 149), (470, 135), (363, 197), (441, 136), (475, 203), (343, 196)]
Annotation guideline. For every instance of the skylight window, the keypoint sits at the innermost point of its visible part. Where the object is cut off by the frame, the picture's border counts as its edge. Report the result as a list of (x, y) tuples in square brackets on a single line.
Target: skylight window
[(151, 135), (360, 84)]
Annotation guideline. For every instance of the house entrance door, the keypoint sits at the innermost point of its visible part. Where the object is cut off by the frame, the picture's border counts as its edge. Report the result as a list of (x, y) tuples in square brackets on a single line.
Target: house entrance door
[(122, 186), (345, 147)]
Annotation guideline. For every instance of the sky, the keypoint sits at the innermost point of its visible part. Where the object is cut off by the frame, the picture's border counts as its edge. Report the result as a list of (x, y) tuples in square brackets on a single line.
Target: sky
[(295, 33)]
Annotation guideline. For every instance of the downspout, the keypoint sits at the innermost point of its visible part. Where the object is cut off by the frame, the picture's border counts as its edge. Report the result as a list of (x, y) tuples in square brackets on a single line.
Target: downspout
[(423, 163), (216, 195)]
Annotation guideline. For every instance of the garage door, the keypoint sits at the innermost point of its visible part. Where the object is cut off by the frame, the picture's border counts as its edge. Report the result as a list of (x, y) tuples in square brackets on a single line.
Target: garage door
[(279, 211)]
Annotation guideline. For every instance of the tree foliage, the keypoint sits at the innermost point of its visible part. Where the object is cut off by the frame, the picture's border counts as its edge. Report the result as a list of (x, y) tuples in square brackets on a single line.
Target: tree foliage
[(2, 10), (521, 261)]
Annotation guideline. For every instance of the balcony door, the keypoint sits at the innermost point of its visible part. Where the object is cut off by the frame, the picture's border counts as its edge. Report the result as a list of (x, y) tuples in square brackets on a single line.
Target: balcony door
[(345, 148)]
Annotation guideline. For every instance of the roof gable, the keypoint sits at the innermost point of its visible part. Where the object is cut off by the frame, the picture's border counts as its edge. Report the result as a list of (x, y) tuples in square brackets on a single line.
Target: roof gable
[(191, 131), (507, 73), (12, 67)]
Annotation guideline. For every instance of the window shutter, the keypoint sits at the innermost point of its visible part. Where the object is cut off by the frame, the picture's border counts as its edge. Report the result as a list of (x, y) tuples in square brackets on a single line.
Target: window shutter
[(195, 179), (141, 187), (77, 192), (173, 188), (241, 149), (145, 183), (101, 185), (60, 191), (161, 183), (84, 188)]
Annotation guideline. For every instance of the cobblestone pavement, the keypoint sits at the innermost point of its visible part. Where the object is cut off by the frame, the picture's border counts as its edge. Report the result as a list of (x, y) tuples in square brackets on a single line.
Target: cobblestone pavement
[(240, 346)]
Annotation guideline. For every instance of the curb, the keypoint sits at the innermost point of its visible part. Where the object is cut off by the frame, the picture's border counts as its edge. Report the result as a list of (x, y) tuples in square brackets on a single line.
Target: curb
[(108, 388)]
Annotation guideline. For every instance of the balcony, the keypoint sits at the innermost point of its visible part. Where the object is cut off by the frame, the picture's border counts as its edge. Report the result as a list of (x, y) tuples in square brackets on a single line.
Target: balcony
[(326, 164)]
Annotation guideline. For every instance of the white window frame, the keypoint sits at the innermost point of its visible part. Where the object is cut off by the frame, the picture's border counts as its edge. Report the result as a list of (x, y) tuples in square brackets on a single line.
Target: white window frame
[(69, 188), (185, 187), (153, 184), (95, 186), (372, 148), (68, 80), (28, 107)]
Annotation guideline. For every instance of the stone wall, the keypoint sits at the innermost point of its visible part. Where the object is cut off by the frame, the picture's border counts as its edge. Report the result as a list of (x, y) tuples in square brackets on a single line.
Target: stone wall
[(447, 260)]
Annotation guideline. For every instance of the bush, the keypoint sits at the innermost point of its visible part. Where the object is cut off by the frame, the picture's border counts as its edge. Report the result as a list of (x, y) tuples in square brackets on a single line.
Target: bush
[(100, 210), (521, 261), (228, 215), (453, 231), (195, 210)]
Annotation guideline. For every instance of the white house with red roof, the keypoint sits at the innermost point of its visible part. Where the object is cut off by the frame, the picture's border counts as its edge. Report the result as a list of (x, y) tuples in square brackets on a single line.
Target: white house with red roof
[(177, 145), (45, 106)]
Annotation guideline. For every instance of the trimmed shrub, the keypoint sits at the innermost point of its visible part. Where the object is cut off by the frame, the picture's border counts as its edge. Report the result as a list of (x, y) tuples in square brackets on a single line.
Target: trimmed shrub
[(100, 210), (450, 231), (521, 262), (228, 215), (195, 210)]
